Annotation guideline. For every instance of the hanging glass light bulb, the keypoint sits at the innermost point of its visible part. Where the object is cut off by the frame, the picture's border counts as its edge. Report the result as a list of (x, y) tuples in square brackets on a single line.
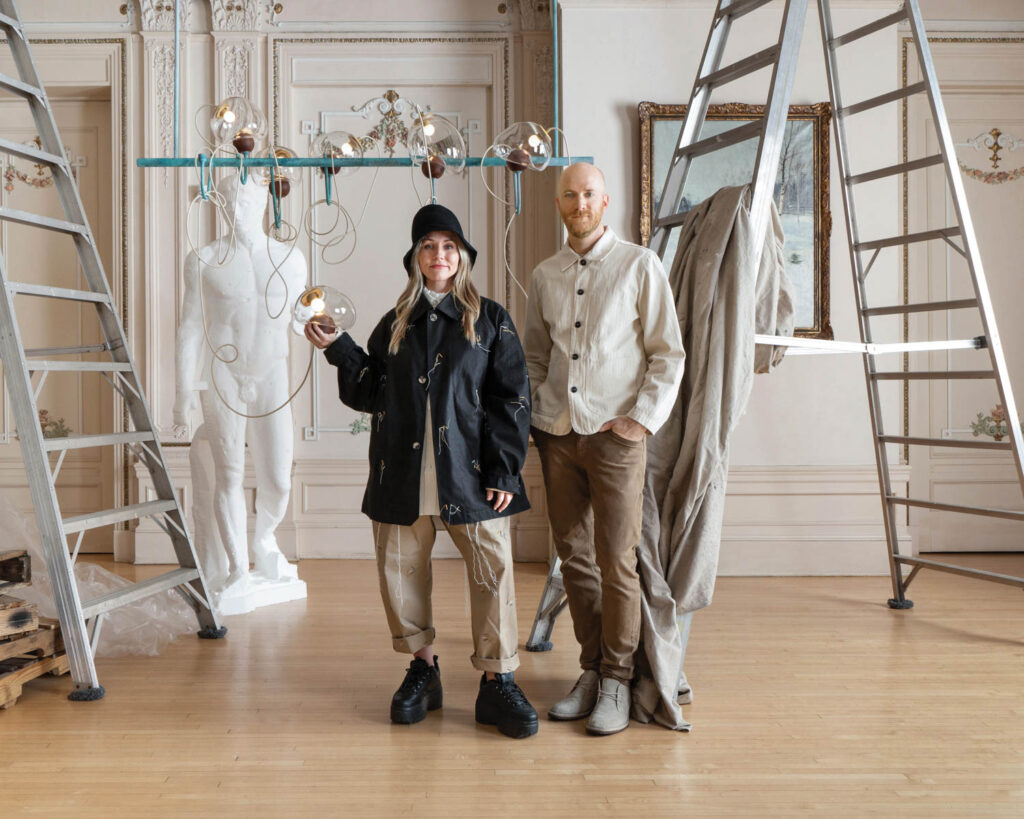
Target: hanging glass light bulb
[(283, 175), (329, 309), (436, 144), (524, 145), (338, 145), (239, 121)]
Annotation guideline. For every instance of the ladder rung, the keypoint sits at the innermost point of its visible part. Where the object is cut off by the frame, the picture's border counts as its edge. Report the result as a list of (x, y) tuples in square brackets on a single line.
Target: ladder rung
[(80, 366), (48, 351), (741, 68), (27, 289), (86, 441), (890, 20), (30, 152), (923, 307), (893, 170), (10, 22), (738, 8), (138, 591), (35, 220), (936, 375), (122, 513), (882, 99), (751, 130), (951, 442), (19, 87), (920, 563), (1009, 514), (908, 239)]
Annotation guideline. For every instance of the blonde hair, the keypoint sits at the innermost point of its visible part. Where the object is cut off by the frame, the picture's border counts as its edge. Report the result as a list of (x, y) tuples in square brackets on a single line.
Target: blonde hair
[(463, 291)]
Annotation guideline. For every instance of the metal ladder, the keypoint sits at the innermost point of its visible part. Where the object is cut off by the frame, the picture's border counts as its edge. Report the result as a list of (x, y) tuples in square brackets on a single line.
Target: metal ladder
[(81, 621), (863, 254)]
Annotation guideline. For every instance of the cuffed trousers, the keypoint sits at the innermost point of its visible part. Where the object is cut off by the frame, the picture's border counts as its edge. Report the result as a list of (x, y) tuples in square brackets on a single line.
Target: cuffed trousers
[(406, 579), (594, 486)]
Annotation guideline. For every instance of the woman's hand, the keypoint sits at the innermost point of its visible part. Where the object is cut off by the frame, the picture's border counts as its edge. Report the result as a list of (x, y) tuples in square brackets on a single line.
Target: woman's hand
[(501, 499), (318, 338)]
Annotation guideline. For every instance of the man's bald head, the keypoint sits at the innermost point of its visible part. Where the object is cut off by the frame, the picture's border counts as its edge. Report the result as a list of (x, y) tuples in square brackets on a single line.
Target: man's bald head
[(582, 173), (581, 201)]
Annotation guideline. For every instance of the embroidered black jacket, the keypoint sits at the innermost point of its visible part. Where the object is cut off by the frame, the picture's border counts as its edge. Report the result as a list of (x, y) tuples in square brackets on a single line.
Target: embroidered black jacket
[(479, 407)]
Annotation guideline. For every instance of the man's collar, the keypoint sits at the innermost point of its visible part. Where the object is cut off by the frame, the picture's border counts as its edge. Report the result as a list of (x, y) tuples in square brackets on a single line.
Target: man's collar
[(447, 307), (567, 257)]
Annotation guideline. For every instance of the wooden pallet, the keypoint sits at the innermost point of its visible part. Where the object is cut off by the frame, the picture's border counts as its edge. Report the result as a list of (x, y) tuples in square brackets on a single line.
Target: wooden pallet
[(15, 571), (17, 616), (27, 656)]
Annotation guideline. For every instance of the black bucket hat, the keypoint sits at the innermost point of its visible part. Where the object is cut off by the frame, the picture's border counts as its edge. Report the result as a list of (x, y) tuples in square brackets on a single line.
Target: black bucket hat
[(436, 217)]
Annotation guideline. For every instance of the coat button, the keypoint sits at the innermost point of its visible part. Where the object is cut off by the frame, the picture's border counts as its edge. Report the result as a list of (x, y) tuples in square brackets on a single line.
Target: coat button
[(583, 262), (575, 356), (579, 324), (415, 444), (433, 316), (579, 292), (572, 389), (422, 379)]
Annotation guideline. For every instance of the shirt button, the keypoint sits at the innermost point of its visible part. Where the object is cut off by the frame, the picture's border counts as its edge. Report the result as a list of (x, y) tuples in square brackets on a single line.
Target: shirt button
[(422, 379), (583, 262), (433, 316), (572, 389), (415, 444), (579, 324), (575, 356), (579, 292)]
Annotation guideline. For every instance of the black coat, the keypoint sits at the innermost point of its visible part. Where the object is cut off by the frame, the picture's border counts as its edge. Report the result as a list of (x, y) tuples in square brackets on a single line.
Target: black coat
[(479, 408)]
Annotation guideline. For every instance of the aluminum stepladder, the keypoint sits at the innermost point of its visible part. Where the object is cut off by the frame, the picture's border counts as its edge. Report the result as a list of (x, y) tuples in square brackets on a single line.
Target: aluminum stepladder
[(769, 133), (81, 621)]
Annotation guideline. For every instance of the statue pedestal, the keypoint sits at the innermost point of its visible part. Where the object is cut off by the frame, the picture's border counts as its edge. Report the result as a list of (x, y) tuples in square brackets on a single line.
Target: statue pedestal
[(256, 591)]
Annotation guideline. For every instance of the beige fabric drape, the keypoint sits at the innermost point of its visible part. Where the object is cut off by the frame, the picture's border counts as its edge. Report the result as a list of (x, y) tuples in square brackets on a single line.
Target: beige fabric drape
[(720, 307)]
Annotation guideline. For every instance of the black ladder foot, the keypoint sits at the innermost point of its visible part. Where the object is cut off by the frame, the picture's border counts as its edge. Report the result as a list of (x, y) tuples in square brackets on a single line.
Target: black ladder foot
[(540, 645), (87, 694), (900, 604), (211, 633)]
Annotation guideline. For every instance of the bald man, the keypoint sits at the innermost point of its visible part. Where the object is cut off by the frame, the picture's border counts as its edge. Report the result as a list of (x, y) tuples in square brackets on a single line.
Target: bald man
[(605, 359)]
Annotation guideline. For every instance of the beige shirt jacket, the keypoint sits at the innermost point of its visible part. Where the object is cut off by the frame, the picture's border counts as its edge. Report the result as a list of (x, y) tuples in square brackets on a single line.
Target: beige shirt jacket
[(602, 339)]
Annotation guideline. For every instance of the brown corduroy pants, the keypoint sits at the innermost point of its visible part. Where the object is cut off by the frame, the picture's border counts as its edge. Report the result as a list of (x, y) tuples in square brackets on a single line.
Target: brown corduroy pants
[(594, 486)]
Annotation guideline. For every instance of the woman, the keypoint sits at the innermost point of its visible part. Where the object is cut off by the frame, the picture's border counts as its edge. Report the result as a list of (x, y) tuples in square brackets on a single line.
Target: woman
[(444, 380)]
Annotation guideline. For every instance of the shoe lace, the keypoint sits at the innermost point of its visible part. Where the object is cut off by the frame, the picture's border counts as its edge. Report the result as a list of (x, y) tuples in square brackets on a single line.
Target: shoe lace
[(513, 694), (415, 678)]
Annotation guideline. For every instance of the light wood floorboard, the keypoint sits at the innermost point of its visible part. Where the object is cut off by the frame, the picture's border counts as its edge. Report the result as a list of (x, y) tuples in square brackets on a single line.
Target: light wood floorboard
[(812, 698)]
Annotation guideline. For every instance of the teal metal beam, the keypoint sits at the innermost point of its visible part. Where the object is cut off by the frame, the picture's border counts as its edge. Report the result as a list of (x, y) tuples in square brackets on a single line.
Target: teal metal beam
[(321, 162)]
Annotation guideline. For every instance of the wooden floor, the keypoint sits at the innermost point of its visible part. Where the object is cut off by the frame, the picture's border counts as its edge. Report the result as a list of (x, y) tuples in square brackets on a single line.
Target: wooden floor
[(812, 698)]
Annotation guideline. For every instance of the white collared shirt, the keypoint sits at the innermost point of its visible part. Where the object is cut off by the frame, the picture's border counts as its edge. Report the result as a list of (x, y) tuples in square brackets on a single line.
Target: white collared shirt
[(602, 338)]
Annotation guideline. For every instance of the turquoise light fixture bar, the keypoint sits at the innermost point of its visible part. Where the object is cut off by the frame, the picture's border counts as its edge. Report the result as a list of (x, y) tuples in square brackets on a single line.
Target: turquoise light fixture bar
[(321, 162)]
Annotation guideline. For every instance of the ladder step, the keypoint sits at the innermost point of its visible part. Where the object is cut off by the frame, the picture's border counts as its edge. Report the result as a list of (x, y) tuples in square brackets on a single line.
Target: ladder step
[(883, 99), (910, 238), (27, 289), (31, 153), (936, 375), (86, 441), (11, 23), (923, 307), (894, 170), (21, 88), (913, 441), (890, 20), (741, 68), (48, 351), (138, 591), (122, 513), (1008, 514), (80, 366), (21, 217), (738, 8), (920, 563)]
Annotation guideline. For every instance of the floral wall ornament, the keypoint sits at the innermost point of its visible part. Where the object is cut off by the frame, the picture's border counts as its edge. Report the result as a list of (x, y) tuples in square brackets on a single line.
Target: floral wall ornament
[(390, 131), (42, 178), (993, 425), (994, 141), (52, 428)]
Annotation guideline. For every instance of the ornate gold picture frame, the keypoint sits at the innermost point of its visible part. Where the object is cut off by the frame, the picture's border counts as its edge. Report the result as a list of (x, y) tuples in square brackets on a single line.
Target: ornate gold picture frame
[(801, 191)]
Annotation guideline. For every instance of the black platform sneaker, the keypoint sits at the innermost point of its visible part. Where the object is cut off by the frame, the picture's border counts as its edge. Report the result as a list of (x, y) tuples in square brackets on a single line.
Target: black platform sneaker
[(419, 692), (501, 702)]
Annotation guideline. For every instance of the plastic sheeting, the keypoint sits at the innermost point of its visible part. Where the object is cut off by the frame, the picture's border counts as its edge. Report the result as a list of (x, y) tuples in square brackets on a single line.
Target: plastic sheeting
[(144, 627)]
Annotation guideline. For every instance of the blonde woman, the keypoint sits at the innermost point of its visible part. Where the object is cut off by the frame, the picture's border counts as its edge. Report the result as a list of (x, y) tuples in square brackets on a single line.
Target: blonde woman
[(444, 380)]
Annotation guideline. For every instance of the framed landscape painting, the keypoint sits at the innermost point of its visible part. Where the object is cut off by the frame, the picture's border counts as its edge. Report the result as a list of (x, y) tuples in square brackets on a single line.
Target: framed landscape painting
[(801, 189)]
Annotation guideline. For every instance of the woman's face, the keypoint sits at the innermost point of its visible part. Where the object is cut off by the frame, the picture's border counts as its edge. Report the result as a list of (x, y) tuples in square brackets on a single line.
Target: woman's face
[(438, 259)]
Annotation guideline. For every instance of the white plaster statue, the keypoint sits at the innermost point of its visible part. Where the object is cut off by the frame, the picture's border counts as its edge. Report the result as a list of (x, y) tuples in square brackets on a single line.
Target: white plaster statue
[(237, 305)]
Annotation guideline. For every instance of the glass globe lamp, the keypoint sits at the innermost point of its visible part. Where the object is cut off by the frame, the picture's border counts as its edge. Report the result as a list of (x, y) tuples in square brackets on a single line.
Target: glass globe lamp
[(436, 144), (524, 145), (331, 310), (337, 145), (283, 175), (239, 121)]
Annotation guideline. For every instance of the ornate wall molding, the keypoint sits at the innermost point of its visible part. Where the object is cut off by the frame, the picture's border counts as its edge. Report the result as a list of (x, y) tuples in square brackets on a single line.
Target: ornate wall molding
[(243, 15), (530, 15), (235, 59), (158, 15), (160, 57)]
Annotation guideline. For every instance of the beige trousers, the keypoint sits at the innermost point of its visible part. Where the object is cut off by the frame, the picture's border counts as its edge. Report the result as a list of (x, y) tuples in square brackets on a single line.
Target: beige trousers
[(594, 486), (403, 565)]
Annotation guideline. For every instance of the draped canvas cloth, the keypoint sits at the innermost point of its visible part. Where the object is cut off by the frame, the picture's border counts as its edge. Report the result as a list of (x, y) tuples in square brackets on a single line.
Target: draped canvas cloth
[(720, 306)]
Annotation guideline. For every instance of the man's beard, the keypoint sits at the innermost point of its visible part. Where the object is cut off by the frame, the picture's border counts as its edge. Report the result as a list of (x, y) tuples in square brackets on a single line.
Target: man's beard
[(579, 229)]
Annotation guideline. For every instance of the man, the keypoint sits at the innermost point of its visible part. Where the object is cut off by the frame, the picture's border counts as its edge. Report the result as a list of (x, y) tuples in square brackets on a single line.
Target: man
[(605, 359)]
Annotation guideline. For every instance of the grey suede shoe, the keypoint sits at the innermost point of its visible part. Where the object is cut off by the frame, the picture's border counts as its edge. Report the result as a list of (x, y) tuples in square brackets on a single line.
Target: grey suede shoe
[(685, 692), (611, 713), (580, 701)]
